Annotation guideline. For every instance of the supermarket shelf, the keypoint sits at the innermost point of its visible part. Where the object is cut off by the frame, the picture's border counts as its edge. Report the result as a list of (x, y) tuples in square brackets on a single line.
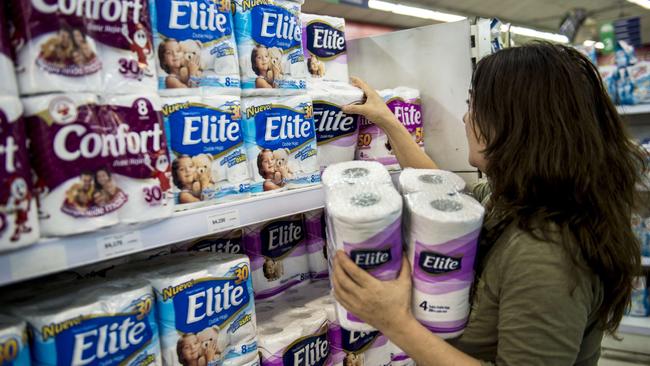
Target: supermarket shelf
[(58, 254), (633, 109), (635, 325)]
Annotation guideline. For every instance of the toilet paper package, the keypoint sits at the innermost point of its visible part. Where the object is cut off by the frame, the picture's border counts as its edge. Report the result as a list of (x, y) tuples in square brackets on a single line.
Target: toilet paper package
[(399, 358), (18, 211), (323, 41), (373, 142), (195, 47), (207, 144), (355, 172), (206, 310), (429, 180), (8, 87), (271, 58), (278, 253), (316, 247), (104, 323), (351, 347), (365, 222), (229, 242), (14, 341), (134, 139), (280, 142), (441, 237), (72, 156), (336, 132), (640, 304)]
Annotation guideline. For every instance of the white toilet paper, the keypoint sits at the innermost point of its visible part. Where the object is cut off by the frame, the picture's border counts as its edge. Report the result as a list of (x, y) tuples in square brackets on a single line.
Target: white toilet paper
[(373, 143), (141, 170), (230, 242), (70, 145), (14, 341), (81, 326), (18, 211), (209, 160), (429, 180), (399, 358), (442, 235), (365, 222), (205, 308), (271, 59), (280, 142), (356, 172), (316, 247), (323, 41), (278, 254), (325, 303), (195, 47), (355, 348), (336, 132), (8, 87)]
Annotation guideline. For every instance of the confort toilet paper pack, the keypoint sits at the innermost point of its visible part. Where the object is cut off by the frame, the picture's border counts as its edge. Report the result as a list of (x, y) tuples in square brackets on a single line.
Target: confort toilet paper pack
[(8, 87)]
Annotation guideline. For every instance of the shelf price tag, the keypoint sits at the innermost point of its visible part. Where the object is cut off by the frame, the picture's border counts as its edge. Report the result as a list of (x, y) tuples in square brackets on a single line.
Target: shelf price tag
[(116, 244), (223, 221)]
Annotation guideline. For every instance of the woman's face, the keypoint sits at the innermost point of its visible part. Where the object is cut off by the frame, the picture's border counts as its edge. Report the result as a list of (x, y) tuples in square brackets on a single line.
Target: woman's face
[(78, 37), (186, 171), (191, 348), (173, 54), (102, 177), (476, 145), (64, 38), (268, 164), (262, 59)]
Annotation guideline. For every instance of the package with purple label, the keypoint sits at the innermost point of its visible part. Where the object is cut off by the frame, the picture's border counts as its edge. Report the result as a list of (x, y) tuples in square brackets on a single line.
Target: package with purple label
[(8, 86), (83, 46), (365, 221), (229, 242), (442, 232), (349, 347), (323, 41), (278, 254), (18, 212), (373, 143), (316, 248)]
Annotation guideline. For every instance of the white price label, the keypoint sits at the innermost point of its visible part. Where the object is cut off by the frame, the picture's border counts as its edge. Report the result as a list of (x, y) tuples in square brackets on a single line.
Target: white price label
[(116, 244), (223, 221)]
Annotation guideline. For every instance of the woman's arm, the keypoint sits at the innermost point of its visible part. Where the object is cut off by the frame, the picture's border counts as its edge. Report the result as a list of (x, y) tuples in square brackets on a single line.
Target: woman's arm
[(407, 151)]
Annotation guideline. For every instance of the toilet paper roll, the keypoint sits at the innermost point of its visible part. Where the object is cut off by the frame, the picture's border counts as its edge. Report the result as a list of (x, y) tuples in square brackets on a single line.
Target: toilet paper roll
[(355, 172), (70, 145), (57, 49), (316, 247), (140, 167), (358, 348), (195, 59), (13, 336), (336, 132), (310, 320), (442, 235), (280, 142), (18, 209), (323, 41), (209, 160), (325, 303), (273, 340), (288, 345), (271, 58), (8, 87), (365, 222), (429, 180), (278, 254)]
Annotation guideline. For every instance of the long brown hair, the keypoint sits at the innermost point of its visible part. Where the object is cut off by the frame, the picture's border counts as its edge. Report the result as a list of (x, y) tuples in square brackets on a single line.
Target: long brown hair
[(558, 156)]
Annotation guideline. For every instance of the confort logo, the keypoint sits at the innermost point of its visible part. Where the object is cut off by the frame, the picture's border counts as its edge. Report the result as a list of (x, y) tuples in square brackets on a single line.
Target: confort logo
[(108, 10), (8, 147)]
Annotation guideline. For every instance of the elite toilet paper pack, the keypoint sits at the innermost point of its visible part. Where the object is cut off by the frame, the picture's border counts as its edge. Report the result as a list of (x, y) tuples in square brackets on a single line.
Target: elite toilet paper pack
[(351, 347), (278, 254), (207, 146), (195, 47), (336, 132), (280, 142), (399, 358), (429, 180), (8, 87), (14, 341), (355, 172), (18, 208), (442, 235), (269, 36), (323, 41), (316, 244), (229, 242)]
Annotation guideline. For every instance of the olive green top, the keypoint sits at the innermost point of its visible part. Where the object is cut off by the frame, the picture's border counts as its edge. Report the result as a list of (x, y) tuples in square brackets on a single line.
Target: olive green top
[(524, 311)]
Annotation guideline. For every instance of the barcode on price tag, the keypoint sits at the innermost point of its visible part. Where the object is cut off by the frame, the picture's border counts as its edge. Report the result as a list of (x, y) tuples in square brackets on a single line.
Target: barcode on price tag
[(223, 221), (116, 244)]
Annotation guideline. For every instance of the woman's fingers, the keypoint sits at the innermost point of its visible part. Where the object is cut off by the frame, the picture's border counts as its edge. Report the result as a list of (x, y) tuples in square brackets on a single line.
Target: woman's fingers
[(405, 272), (358, 275), (361, 85), (354, 109), (343, 281)]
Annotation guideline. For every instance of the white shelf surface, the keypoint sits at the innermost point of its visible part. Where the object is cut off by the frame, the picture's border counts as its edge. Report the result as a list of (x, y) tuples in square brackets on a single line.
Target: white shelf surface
[(633, 109), (59, 254), (635, 325)]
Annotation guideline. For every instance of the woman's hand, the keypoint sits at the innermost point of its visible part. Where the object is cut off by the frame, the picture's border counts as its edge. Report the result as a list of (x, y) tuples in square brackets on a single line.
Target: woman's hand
[(384, 305), (374, 109)]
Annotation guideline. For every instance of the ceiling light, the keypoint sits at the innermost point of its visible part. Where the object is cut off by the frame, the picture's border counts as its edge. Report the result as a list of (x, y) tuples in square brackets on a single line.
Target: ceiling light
[(528, 32), (599, 45), (413, 11), (588, 43), (642, 3)]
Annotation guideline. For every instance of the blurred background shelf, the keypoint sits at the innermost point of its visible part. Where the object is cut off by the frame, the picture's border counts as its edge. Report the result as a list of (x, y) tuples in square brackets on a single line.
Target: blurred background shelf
[(633, 109), (635, 325)]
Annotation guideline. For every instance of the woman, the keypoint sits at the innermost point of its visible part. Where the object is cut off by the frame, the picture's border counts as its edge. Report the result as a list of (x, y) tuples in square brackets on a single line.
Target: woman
[(105, 187), (557, 254)]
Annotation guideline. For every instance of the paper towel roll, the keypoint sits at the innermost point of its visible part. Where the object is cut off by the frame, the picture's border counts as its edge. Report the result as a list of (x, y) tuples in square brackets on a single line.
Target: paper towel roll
[(366, 223), (429, 180), (13, 337), (336, 132), (323, 41), (358, 348), (8, 87), (142, 169), (442, 235), (69, 146), (18, 209), (355, 172), (316, 247)]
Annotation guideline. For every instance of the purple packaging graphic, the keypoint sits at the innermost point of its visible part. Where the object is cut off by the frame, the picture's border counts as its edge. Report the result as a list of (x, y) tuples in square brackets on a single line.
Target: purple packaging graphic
[(373, 143), (8, 87), (278, 254), (349, 347), (18, 212), (323, 41)]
